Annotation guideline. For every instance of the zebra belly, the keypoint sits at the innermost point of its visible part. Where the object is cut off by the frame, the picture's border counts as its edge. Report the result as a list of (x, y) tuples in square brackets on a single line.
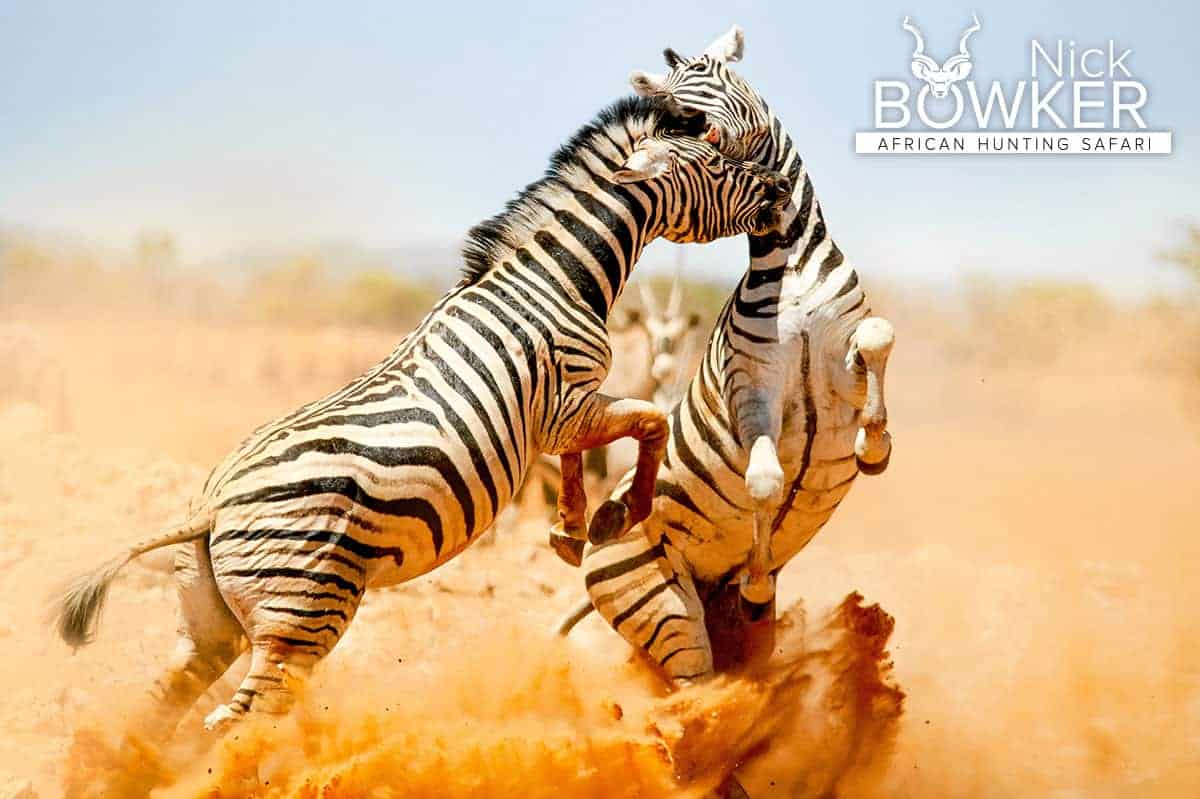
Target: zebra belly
[(717, 544), (325, 526), (334, 547)]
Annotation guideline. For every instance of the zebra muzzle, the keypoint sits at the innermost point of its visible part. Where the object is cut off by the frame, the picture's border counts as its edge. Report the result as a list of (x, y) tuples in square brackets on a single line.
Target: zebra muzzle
[(777, 192)]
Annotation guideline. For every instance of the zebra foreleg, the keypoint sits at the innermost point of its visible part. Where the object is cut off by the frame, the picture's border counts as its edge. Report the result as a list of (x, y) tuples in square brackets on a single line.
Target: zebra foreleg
[(606, 419), (866, 363), (758, 422), (757, 584), (569, 534)]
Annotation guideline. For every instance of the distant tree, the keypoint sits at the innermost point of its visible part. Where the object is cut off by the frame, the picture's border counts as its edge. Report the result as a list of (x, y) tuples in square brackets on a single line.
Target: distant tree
[(382, 298), (1031, 322), (1187, 255), (156, 260), (294, 291), (24, 267), (1187, 258)]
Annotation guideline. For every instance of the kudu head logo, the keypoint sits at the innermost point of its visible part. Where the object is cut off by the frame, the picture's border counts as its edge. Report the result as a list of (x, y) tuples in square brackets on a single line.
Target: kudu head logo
[(957, 66)]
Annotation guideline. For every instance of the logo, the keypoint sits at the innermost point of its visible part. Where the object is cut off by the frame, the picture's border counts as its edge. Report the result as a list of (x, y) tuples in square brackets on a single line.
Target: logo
[(939, 77), (1075, 100)]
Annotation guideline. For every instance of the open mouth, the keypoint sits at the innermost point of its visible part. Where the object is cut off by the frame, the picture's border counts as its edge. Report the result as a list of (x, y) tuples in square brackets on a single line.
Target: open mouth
[(699, 126), (778, 191), (767, 219), (694, 122), (688, 122)]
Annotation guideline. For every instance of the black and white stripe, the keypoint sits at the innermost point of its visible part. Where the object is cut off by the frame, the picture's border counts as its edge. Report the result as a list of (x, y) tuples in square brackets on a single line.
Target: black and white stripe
[(398, 471), (655, 374), (775, 369)]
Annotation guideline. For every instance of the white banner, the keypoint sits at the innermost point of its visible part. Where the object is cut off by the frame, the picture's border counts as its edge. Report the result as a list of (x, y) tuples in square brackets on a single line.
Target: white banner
[(1013, 142)]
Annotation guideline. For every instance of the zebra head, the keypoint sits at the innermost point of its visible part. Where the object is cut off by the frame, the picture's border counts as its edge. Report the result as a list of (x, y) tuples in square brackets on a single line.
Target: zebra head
[(736, 118), (705, 195)]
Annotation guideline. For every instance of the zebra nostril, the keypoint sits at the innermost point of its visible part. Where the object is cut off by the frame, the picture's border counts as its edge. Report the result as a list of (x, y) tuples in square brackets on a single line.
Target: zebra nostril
[(778, 188)]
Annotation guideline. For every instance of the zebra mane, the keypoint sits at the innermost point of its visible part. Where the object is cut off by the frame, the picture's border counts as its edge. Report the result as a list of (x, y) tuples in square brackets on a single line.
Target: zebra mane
[(498, 236)]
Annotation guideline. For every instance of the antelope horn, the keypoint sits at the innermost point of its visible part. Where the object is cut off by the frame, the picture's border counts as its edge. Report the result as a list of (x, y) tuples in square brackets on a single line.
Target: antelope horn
[(962, 44), (916, 35), (675, 301), (649, 302)]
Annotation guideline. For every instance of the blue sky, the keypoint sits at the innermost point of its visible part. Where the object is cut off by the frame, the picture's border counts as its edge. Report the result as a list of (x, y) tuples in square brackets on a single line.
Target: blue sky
[(265, 125)]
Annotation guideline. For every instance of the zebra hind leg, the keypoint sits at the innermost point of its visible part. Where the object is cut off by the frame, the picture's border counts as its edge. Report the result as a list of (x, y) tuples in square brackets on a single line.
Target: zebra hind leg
[(210, 640), (742, 632), (645, 593), (269, 686), (286, 643)]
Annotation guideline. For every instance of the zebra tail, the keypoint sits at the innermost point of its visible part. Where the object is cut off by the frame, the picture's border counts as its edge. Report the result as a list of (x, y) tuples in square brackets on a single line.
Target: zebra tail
[(574, 616), (76, 611)]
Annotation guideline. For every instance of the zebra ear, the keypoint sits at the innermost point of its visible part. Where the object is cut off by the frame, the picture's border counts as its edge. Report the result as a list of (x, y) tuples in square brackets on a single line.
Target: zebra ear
[(672, 58), (647, 84), (728, 47), (651, 159)]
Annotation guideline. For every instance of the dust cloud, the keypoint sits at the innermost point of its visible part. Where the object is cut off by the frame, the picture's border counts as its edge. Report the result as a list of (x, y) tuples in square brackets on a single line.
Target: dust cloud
[(521, 716), (1031, 549)]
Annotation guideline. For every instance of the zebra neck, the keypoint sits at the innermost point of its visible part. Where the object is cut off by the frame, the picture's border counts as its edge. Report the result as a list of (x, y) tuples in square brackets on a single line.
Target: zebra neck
[(800, 235), (801, 231), (587, 245), (801, 243), (779, 152)]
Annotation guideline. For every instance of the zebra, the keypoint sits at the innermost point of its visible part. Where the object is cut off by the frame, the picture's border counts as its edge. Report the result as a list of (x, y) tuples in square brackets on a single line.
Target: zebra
[(651, 374), (398, 471), (786, 408)]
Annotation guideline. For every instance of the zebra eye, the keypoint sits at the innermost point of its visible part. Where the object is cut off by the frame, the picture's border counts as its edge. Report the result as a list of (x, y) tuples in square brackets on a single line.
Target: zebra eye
[(699, 66)]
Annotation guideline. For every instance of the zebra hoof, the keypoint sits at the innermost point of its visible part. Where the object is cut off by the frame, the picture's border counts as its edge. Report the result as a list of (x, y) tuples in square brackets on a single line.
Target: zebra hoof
[(755, 612), (875, 468), (757, 591), (872, 452), (220, 719), (609, 522), (568, 548)]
